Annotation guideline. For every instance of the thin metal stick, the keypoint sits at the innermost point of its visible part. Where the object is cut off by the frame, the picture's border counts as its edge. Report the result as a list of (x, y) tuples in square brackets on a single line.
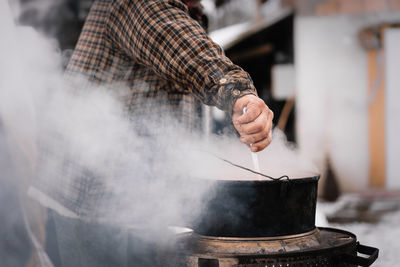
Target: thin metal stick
[(250, 170), (244, 168)]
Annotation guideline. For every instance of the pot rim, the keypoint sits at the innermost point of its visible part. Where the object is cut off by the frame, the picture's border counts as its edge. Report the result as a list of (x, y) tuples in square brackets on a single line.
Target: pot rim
[(269, 181)]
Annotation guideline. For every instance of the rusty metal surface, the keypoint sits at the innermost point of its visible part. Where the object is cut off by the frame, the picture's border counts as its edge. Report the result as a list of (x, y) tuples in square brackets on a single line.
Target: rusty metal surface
[(320, 247), (245, 246), (222, 246)]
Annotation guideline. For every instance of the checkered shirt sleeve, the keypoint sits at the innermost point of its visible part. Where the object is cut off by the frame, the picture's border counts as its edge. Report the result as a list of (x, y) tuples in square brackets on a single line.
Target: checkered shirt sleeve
[(161, 35)]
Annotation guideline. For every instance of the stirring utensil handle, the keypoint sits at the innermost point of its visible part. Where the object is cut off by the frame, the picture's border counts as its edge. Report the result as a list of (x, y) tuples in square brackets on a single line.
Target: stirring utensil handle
[(254, 156)]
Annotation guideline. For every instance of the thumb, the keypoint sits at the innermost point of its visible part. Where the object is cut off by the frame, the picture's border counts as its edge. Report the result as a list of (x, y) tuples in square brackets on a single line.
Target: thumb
[(241, 103)]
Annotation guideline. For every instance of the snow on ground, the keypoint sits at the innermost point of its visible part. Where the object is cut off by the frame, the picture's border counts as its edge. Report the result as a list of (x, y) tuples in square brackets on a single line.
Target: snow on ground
[(384, 235)]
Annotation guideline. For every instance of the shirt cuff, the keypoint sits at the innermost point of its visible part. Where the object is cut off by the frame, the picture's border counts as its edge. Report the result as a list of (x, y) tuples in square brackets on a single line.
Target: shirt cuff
[(231, 88)]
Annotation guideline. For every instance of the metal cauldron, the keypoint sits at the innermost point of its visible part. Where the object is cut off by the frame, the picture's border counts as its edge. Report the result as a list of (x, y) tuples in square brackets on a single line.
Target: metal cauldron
[(259, 208)]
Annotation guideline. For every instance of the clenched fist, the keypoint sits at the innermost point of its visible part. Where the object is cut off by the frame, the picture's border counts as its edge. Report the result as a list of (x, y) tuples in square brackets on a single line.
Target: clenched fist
[(254, 125)]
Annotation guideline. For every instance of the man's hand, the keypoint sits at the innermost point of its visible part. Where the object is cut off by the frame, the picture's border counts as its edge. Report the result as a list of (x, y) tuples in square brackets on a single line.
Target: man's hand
[(255, 125)]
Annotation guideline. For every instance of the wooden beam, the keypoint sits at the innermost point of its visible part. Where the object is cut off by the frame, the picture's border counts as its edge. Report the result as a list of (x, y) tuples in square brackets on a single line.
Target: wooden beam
[(376, 111)]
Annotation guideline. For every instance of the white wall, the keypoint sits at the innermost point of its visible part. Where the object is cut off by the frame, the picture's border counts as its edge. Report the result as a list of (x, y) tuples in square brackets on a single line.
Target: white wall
[(392, 97), (332, 100)]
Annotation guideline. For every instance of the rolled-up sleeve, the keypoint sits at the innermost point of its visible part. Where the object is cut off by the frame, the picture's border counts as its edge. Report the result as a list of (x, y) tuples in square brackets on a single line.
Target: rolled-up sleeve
[(161, 35)]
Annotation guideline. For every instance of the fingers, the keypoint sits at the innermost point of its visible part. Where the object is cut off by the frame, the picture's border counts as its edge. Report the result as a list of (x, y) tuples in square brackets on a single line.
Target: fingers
[(260, 145), (256, 130), (250, 115), (256, 137), (254, 108), (255, 125), (258, 141), (258, 125)]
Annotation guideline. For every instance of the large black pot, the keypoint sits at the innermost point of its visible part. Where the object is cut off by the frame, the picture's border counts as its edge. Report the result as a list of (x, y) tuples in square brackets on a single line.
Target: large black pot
[(260, 208)]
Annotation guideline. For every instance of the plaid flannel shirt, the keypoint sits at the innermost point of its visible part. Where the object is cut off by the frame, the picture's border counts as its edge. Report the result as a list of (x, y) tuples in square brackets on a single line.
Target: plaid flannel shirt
[(157, 49), (164, 56)]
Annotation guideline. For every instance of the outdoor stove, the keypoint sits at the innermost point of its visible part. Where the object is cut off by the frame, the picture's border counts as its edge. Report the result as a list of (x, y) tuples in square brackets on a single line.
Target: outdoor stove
[(320, 247), (268, 223)]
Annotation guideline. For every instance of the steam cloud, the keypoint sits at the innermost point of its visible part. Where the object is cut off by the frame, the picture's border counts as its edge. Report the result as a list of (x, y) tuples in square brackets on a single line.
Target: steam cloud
[(59, 132)]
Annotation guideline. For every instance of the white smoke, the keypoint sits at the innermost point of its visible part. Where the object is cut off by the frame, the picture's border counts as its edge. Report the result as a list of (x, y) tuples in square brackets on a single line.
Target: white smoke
[(60, 132)]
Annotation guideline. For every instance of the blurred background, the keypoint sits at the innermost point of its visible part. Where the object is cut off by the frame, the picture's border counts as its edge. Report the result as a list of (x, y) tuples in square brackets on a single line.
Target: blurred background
[(329, 69)]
